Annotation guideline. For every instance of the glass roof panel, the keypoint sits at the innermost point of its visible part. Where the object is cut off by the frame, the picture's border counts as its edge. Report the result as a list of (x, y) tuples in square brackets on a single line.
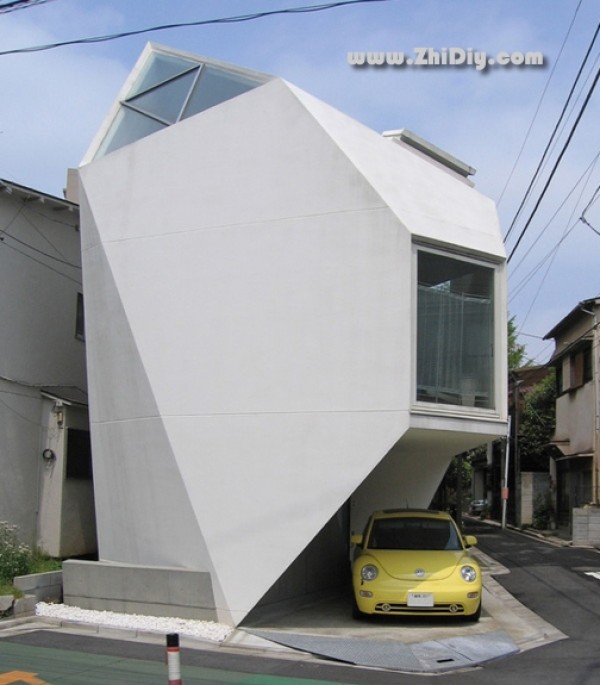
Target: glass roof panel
[(127, 127), (159, 68), (166, 101), (215, 86), (165, 85)]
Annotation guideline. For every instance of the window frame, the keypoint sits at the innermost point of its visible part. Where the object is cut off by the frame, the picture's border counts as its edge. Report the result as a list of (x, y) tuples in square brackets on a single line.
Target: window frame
[(80, 318), (78, 455), (496, 405)]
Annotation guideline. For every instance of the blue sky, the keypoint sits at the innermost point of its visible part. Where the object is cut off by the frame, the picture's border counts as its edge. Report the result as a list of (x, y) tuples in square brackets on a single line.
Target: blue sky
[(52, 103)]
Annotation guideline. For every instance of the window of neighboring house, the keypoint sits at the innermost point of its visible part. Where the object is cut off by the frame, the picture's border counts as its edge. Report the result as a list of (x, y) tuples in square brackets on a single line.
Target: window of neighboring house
[(79, 454), (588, 369), (559, 379), (580, 364), (455, 331), (79, 319)]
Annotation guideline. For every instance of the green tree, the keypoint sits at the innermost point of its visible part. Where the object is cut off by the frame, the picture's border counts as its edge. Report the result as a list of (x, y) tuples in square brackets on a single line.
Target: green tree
[(536, 425), (446, 496), (517, 353)]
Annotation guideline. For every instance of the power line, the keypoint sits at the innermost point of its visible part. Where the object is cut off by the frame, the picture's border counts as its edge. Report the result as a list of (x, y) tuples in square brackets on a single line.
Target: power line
[(15, 5), (537, 109), (38, 261), (587, 223), (204, 22), (40, 252), (588, 171), (556, 164), (556, 127), (21, 213), (587, 207)]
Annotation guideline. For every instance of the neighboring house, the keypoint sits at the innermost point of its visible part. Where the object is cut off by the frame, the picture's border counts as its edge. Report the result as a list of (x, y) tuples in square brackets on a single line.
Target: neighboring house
[(307, 322), (529, 480), (45, 464), (577, 345), (525, 483)]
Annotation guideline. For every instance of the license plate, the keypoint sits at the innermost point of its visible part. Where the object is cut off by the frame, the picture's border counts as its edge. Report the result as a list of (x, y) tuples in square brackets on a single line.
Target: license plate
[(420, 599)]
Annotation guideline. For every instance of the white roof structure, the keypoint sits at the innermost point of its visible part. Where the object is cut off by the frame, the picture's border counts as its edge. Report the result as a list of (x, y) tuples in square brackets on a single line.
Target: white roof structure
[(252, 320)]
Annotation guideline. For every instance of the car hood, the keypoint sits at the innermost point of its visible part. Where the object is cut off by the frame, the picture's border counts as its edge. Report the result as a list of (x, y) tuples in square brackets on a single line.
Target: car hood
[(422, 565)]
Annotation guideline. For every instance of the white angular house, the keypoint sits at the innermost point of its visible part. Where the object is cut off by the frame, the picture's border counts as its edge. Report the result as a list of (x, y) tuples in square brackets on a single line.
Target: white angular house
[(291, 320)]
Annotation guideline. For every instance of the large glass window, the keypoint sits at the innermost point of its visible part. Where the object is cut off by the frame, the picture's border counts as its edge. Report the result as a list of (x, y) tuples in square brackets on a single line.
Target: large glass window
[(455, 331)]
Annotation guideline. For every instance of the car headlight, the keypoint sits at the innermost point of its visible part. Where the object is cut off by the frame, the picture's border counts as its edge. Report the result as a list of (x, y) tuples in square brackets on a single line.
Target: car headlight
[(369, 572), (468, 573)]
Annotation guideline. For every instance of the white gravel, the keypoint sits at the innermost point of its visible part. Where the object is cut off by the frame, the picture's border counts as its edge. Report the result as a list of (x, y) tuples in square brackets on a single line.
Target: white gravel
[(208, 630)]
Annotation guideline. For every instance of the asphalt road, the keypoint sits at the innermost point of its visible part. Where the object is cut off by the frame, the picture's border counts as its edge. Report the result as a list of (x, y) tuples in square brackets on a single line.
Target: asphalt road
[(550, 580)]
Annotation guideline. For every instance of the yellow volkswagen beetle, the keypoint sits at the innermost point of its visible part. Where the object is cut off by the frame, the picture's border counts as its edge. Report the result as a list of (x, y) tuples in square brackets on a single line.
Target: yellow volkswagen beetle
[(412, 561)]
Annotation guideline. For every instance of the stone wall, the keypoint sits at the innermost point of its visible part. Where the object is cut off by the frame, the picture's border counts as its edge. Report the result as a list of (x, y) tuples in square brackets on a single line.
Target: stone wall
[(586, 526)]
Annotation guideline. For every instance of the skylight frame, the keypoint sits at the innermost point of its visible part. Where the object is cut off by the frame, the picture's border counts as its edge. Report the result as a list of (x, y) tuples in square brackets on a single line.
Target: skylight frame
[(125, 93)]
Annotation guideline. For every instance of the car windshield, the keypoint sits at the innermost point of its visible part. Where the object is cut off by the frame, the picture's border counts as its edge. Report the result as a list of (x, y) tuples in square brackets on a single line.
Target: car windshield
[(414, 533)]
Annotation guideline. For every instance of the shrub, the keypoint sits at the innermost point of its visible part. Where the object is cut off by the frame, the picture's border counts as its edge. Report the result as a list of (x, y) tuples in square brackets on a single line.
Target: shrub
[(543, 512), (15, 557)]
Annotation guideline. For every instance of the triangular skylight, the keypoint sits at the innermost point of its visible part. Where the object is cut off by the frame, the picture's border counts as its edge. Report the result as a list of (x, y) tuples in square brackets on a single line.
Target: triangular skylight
[(164, 88)]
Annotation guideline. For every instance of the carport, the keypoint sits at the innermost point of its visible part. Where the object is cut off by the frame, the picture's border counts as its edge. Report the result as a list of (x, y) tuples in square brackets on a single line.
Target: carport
[(415, 645)]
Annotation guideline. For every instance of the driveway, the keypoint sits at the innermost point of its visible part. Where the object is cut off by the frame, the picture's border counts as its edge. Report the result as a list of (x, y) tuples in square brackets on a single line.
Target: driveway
[(326, 628)]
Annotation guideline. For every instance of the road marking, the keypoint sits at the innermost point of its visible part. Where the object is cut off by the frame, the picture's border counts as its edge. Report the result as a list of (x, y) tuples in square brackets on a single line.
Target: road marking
[(21, 677), (594, 574)]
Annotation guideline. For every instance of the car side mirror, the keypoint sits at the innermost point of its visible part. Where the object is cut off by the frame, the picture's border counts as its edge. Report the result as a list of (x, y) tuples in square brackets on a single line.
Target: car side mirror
[(470, 540), (356, 539)]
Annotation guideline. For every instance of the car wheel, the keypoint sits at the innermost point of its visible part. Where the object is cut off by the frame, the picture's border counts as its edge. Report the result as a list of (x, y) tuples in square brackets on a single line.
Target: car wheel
[(473, 618)]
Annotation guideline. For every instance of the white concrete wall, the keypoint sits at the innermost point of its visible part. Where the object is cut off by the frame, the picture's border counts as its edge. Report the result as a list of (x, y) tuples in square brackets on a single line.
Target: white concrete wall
[(575, 418), (258, 365), (20, 412), (66, 519), (51, 481), (39, 294), (40, 274), (533, 486)]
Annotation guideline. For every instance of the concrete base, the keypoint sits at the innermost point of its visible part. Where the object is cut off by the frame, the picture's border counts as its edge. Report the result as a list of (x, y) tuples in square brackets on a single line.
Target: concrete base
[(46, 587), (130, 589), (17, 608), (25, 606)]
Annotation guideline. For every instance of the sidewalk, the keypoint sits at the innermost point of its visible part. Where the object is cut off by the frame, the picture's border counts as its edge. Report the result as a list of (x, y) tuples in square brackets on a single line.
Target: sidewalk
[(561, 537)]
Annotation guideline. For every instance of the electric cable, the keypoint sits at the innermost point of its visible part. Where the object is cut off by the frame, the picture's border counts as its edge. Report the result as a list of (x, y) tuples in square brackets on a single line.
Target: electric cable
[(20, 213), (204, 22), (553, 135), (40, 252), (556, 165), (589, 170), (38, 261), (15, 5), (587, 207), (537, 109)]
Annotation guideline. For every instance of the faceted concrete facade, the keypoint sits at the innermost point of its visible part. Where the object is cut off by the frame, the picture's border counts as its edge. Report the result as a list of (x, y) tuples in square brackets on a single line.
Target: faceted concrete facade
[(250, 295)]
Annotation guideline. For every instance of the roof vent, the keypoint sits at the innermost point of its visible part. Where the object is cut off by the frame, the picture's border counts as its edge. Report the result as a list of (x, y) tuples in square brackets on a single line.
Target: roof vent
[(411, 139)]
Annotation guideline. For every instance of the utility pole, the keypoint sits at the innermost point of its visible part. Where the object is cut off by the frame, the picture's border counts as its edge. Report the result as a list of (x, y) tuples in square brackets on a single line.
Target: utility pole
[(517, 455), (596, 394), (504, 490), (459, 490), (596, 380)]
